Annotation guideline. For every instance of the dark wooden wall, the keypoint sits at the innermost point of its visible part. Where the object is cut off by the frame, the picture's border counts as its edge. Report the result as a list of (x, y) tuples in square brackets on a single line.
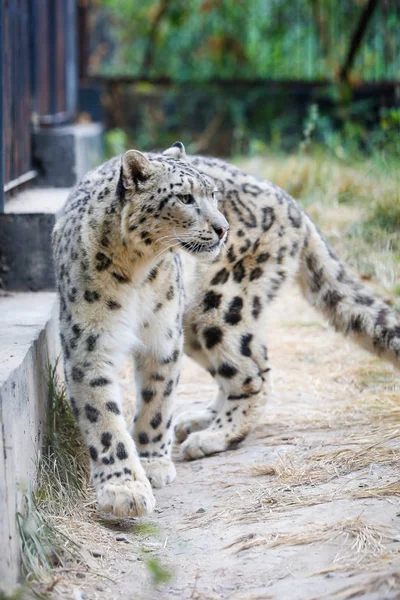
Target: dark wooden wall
[(16, 88), (39, 66)]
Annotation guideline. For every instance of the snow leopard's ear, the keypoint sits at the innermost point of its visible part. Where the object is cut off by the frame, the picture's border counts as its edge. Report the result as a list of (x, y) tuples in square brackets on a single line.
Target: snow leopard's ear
[(136, 168), (177, 151)]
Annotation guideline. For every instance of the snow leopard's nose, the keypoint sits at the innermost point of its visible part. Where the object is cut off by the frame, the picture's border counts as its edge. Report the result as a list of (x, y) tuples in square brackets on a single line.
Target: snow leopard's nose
[(220, 231)]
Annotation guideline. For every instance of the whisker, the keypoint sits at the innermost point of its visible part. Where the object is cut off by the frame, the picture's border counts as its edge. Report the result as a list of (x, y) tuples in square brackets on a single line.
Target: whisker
[(166, 249)]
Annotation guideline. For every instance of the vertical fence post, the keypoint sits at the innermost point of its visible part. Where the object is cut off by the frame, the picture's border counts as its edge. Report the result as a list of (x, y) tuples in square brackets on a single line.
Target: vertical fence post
[(1, 112), (52, 57), (71, 57), (33, 62)]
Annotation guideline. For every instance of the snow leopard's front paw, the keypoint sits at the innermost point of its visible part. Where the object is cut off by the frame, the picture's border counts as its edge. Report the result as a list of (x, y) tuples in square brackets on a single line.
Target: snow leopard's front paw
[(126, 499), (203, 443), (190, 421), (160, 471)]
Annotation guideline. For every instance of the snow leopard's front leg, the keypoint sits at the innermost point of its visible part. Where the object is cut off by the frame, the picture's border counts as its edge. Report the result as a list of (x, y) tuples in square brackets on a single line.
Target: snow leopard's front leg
[(157, 368), (153, 432), (92, 379)]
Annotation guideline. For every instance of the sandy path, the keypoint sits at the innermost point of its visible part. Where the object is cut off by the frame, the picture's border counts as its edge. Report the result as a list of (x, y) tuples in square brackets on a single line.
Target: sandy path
[(330, 446)]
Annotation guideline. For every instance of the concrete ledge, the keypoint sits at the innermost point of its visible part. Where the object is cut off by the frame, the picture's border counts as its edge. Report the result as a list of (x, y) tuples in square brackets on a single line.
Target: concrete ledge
[(28, 341), (64, 154), (26, 262), (37, 200)]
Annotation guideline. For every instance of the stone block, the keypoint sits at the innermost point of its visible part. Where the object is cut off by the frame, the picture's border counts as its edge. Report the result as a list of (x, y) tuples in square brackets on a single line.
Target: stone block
[(26, 262), (63, 155)]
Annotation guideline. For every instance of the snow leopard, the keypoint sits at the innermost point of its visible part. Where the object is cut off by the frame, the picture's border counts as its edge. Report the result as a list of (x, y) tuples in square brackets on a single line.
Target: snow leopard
[(160, 254)]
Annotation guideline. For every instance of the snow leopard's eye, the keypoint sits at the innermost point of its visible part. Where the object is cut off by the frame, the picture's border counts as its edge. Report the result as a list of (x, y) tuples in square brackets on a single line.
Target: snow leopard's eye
[(186, 198), (215, 194)]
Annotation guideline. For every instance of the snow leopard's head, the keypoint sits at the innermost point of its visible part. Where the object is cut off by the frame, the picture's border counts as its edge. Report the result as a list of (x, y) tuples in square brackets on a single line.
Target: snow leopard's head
[(168, 203)]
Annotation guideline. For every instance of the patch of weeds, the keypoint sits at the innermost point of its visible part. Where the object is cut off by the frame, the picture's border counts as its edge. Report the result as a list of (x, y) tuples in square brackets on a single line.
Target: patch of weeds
[(145, 529), (386, 213), (43, 546), (158, 572), (63, 469), (377, 238), (116, 142), (61, 483)]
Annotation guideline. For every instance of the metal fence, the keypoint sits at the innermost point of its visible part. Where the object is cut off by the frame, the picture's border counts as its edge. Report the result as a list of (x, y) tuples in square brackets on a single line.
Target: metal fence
[(38, 84)]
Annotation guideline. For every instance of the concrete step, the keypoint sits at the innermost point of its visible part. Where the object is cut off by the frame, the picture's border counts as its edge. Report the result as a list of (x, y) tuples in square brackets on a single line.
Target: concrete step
[(28, 342)]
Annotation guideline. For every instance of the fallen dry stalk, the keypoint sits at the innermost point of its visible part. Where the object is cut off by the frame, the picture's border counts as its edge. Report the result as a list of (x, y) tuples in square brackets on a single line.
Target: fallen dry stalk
[(384, 583), (325, 466), (359, 540), (264, 502)]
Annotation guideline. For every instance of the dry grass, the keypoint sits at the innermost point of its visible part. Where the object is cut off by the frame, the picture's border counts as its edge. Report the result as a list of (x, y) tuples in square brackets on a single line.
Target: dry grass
[(385, 583), (57, 530), (68, 548), (356, 390), (48, 550), (369, 411), (263, 503), (317, 468), (358, 540), (357, 206)]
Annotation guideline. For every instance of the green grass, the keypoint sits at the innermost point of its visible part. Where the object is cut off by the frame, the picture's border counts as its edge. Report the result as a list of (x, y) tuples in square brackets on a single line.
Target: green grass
[(158, 572), (386, 213), (145, 529)]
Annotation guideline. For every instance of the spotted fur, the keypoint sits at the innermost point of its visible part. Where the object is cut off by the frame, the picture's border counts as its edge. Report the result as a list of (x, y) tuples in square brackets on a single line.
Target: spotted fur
[(271, 241), (122, 291)]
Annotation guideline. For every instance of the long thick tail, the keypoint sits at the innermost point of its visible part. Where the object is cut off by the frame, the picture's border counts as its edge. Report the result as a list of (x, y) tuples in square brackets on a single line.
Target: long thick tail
[(350, 306)]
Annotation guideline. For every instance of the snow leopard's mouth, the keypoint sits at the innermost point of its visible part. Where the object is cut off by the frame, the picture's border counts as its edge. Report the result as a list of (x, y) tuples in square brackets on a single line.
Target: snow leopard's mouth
[(198, 248)]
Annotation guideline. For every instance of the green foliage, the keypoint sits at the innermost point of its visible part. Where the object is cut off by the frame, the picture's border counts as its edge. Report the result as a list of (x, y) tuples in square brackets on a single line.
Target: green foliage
[(116, 142), (195, 42), (245, 124), (145, 529), (201, 39), (158, 573), (310, 127), (386, 213)]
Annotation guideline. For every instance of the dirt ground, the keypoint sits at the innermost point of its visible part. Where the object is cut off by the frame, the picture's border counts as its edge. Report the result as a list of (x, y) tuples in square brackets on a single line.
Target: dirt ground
[(307, 507)]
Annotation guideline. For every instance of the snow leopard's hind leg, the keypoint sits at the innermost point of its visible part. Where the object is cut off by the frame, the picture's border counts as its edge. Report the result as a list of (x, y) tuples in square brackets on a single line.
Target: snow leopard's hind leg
[(228, 343), (243, 379), (197, 419)]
